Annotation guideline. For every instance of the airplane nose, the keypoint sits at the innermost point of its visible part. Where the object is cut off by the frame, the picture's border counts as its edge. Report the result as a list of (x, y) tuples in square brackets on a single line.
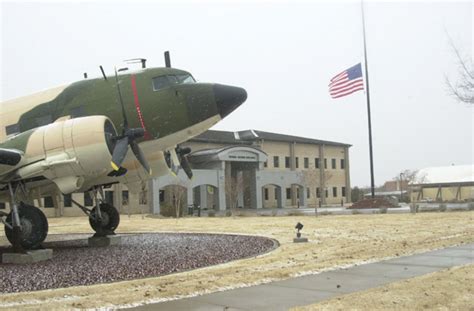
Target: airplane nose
[(228, 98)]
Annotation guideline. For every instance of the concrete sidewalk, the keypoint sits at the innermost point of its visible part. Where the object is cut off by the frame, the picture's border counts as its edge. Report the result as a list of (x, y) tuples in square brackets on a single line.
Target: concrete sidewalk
[(306, 290)]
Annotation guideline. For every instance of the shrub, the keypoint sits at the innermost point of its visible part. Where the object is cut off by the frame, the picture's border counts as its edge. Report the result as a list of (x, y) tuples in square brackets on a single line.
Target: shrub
[(295, 213), (470, 206), (442, 207), (211, 213), (383, 210), (414, 208), (355, 212), (228, 213)]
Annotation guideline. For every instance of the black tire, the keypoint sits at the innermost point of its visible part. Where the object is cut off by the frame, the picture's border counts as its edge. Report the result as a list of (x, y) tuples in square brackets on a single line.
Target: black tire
[(110, 219), (34, 226)]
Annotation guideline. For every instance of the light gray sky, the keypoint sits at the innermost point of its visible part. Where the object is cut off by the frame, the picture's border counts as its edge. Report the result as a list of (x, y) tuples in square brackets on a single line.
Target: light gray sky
[(283, 53)]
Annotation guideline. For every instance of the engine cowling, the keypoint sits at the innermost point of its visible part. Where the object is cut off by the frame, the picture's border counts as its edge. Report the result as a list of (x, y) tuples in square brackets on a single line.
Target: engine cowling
[(67, 151)]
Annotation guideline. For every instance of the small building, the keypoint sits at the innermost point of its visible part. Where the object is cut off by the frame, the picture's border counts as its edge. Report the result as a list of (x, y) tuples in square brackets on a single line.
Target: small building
[(444, 184), (257, 169)]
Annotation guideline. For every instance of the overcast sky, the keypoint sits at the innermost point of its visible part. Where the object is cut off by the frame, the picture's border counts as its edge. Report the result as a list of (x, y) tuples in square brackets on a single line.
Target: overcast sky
[(283, 53)]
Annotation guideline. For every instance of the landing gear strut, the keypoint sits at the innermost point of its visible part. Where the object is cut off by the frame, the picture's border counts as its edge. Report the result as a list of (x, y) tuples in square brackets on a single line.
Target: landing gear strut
[(104, 218)]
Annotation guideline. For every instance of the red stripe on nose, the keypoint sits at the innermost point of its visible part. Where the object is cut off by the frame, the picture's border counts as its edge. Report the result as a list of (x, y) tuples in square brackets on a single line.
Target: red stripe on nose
[(137, 106)]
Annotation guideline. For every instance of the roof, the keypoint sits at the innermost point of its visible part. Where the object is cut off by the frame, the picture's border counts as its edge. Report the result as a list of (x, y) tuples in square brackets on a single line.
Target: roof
[(248, 136), (445, 174)]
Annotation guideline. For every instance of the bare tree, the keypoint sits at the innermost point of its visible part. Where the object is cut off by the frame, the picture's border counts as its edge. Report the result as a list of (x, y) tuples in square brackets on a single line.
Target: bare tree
[(463, 88), (234, 188), (178, 196)]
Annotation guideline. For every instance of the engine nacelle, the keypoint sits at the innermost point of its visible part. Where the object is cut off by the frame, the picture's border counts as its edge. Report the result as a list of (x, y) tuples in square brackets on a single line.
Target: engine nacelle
[(67, 151)]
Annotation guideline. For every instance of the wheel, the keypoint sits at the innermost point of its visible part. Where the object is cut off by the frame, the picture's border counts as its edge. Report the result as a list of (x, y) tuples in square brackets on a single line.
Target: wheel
[(34, 226), (110, 219)]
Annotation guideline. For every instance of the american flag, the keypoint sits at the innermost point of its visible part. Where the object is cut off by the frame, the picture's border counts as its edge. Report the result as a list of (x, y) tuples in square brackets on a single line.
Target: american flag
[(347, 82)]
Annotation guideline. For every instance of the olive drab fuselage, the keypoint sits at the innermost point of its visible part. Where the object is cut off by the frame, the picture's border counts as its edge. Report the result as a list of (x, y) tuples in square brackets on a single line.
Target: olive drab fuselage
[(160, 112)]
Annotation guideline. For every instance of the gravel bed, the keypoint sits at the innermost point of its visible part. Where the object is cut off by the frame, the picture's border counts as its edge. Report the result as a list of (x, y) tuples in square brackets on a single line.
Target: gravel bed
[(138, 256)]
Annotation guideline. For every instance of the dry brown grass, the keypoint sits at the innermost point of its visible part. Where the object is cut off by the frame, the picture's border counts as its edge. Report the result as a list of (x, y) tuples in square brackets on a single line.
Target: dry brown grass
[(450, 289), (334, 241)]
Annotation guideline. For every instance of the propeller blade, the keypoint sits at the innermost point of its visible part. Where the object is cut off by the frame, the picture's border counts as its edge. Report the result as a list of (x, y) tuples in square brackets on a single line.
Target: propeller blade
[(124, 115), (140, 156), (186, 167), (119, 153)]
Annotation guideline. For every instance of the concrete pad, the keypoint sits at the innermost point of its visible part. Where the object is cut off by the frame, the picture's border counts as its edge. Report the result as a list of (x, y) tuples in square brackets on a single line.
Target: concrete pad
[(265, 297), (395, 272), (28, 258), (104, 241), (430, 261), (300, 240), (335, 281)]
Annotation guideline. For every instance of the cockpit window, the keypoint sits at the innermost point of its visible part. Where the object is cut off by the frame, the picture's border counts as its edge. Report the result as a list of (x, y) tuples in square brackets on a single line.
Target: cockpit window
[(185, 78), (166, 81), (160, 83)]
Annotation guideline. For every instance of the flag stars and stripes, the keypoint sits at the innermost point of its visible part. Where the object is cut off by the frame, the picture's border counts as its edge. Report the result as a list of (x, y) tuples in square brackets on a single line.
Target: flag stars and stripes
[(347, 82)]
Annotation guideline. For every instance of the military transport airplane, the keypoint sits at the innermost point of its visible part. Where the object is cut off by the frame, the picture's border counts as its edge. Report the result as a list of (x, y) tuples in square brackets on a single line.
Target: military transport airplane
[(93, 133)]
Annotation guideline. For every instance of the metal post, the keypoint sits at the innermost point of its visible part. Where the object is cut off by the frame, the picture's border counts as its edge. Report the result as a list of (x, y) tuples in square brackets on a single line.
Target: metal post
[(372, 182)]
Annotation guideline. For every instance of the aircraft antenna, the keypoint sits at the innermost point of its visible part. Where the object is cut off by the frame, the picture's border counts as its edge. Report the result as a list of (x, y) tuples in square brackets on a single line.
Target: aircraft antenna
[(167, 59), (103, 72)]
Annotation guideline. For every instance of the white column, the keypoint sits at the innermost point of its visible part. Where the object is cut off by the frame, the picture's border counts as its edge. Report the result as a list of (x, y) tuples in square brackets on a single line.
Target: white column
[(155, 203)]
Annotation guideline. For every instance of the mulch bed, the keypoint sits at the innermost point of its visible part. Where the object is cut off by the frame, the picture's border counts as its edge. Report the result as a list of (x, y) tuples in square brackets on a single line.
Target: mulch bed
[(138, 256)]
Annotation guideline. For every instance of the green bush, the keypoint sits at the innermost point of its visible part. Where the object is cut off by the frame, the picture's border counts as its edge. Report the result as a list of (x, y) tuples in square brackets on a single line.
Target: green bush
[(470, 206), (355, 212), (383, 210), (442, 207)]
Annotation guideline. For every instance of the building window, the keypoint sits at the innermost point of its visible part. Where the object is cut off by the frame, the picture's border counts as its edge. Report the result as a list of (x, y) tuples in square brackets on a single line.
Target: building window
[(287, 162), (162, 196), (327, 193), (288, 193), (333, 164), (297, 162), (316, 162), (48, 202), (276, 161), (276, 193), (87, 199), (298, 193), (125, 197), (265, 164), (266, 194), (306, 163), (334, 192), (318, 192), (67, 200), (343, 191), (308, 195), (109, 197), (2, 205), (325, 163), (343, 164)]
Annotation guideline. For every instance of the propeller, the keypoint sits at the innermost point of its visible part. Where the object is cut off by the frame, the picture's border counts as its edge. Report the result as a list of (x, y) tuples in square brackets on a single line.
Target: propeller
[(178, 158), (128, 138)]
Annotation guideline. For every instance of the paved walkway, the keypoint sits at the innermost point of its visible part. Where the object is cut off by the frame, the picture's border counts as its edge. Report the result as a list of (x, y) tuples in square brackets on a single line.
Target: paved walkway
[(306, 290)]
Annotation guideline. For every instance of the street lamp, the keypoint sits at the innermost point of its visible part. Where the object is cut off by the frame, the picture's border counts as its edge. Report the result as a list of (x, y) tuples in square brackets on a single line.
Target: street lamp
[(401, 192)]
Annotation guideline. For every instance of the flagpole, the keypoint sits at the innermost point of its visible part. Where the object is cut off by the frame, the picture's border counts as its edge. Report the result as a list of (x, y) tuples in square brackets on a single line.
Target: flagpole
[(372, 183)]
